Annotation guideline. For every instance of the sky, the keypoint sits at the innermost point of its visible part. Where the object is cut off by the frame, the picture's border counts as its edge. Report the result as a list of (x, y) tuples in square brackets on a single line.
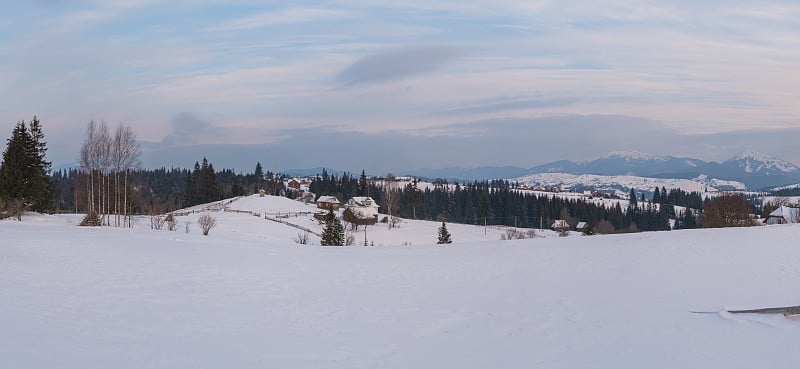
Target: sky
[(399, 85)]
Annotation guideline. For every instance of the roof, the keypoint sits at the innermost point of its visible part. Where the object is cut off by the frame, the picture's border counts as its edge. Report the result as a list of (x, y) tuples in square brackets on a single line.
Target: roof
[(362, 201), (791, 215), (328, 199), (581, 225), (560, 223)]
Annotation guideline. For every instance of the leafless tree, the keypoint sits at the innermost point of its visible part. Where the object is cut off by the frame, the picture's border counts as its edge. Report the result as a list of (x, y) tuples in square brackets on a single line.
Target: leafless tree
[(302, 238), (172, 223), (727, 211), (187, 225), (14, 209), (604, 227), (129, 158), (391, 199), (206, 222), (102, 159), (157, 222), (516, 234)]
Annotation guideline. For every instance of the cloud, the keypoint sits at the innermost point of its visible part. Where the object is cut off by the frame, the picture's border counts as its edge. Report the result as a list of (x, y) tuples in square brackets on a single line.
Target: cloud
[(282, 17), (397, 64), (188, 129), (499, 106)]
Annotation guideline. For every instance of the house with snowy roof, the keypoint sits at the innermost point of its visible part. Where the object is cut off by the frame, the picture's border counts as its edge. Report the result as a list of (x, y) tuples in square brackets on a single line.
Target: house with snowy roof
[(328, 203), (361, 210), (784, 215)]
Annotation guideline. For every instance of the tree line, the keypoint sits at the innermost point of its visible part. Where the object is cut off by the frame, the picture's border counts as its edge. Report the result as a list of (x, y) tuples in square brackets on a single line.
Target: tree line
[(497, 202), (109, 186)]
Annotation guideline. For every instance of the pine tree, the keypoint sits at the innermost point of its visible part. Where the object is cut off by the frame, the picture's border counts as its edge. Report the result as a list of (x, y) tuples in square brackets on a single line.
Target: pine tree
[(24, 172), (42, 192), (363, 185), (259, 173), (444, 235), (333, 234), (632, 199), (202, 185)]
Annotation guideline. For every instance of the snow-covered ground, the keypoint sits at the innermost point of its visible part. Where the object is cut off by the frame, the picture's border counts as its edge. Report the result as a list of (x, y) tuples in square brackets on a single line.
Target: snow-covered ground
[(248, 297)]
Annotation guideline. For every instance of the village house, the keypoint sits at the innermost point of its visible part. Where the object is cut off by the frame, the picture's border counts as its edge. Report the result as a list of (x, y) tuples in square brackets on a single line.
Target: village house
[(361, 210), (294, 183), (330, 203), (784, 215)]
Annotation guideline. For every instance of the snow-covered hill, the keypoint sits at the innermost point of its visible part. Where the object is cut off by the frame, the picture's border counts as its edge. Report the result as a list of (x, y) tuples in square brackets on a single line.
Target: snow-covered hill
[(622, 184), (759, 163), (247, 297), (624, 163), (755, 170)]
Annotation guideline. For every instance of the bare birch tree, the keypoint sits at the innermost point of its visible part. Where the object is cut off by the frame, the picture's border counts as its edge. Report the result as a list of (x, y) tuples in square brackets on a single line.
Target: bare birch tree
[(129, 159), (391, 199), (102, 160)]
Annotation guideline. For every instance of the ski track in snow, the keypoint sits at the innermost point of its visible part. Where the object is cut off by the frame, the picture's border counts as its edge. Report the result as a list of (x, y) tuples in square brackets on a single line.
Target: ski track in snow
[(247, 297)]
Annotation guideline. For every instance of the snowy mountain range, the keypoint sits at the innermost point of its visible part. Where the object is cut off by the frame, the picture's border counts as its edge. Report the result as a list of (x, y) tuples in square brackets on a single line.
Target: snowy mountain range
[(754, 170)]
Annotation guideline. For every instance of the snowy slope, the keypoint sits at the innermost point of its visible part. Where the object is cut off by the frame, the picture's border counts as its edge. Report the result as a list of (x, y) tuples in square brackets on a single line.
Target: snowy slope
[(759, 163), (244, 297)]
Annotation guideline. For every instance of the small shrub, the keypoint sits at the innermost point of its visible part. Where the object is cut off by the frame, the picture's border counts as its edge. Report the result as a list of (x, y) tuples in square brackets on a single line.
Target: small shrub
[(444, 235), (187, 225), (172, 224), (157, 222), (302, 238), (206, 222), (15, 208), (516, 234)]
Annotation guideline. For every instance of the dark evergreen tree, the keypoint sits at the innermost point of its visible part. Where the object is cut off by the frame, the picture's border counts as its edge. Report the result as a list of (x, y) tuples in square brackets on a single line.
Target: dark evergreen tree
[(202, 185), (444, 235), (363, 185), (43, 191), (333, 234), (632, 199), (24, 172), (259, 173)]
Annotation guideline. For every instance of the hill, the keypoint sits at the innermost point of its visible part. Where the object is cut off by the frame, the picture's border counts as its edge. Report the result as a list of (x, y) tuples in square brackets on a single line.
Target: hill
[(248, 297)]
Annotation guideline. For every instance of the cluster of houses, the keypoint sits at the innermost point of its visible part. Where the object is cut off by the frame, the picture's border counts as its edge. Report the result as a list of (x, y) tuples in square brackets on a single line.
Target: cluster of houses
[(358, 210)]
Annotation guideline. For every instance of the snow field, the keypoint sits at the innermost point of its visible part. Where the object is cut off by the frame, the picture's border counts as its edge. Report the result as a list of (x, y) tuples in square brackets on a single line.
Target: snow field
[(247, 297)]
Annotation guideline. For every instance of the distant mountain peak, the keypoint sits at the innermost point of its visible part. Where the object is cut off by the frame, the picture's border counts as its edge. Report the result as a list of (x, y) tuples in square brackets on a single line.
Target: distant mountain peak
[(757, 162), (633, 155)]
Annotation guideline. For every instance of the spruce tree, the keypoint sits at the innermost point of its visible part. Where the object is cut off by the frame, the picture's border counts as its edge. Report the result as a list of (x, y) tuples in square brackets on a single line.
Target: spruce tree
[(14, 178), (24, 172), (444, 235), (333, 234), (363, 185), (259, 173), (632, 199), (42, 191)]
